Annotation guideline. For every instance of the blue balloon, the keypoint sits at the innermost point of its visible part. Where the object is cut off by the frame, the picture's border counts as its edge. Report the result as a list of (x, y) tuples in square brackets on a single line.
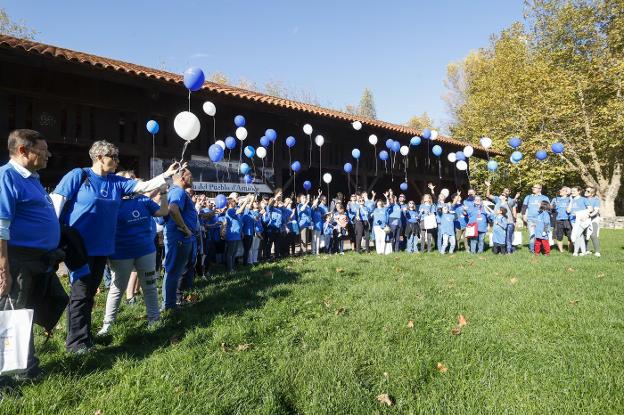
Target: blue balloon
[(492, 165), (220, 201), (437, 150), (396, 146), (459, 155), (239, 121), (152, 127), (244, 168), (296, 166), (557, 148), (249, 151), (348, 168), (415, 141), (355, 153), (426, 134), (307, 185), (514, 142), (516, 156), (215, 152), (389, 143), (193, 78), (403, 186), (264, 141), (271, 134), (230, 143), (248, 179), (290, 141), (383, 155), (541, 155)]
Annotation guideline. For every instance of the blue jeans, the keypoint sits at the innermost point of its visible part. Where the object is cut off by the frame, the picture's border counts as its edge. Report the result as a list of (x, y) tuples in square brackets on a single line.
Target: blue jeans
[(412, 243), (448, 241), (509, 237), (476, 244), (531, 228), (439, 240), (176, 257), (186, 281), (230, 254)]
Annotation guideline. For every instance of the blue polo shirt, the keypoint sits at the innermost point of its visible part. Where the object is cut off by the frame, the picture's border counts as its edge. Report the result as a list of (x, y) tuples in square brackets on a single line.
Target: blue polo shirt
[(318, 215), (180, 198), (93, 212), (234, 226), (135, 228), (533, 203), (25, 203)]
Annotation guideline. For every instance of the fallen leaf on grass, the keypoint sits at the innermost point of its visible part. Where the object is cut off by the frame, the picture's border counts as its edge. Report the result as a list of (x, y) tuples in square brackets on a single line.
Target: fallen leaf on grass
[(573, 302), (340, 311), (98, 412), (224, 347), (327, 302), (191, 298), (385, 399), (570, 269), (441, 368), (244, 347), (456, 331), (461, 320), (339, 269), (174, 339), (534, 260), (385, 375), (410, 324), (600, 275), (513, 281)]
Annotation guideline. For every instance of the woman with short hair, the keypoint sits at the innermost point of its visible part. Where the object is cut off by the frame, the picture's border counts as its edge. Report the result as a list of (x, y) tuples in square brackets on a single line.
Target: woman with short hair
[(594, 202), (88, 200)]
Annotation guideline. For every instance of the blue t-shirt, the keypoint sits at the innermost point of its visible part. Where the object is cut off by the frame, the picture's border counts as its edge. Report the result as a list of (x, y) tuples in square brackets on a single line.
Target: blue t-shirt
[(380, 217), (26, 204), (542, 225), (561, 204), (394, 214), (234, 226), (317, 216), (255, 214), (594, 202), (305, 215), (249, 223), (362, 211), (424, 210), (533, 203), (469, 202), (179, 197), (499, 230), (478, 215), (460, 219), (447, 224), (135, 228), (412, 216), (273, 219), (328, 228), (93, 213), (579, 203), (212, 232)]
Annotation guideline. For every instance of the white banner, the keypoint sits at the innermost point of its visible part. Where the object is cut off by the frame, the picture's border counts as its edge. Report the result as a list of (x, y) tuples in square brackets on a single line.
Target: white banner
[(231, 187)]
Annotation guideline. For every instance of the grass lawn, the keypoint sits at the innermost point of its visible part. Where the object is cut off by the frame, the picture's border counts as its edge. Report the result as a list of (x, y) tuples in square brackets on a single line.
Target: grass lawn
[(331, 334)]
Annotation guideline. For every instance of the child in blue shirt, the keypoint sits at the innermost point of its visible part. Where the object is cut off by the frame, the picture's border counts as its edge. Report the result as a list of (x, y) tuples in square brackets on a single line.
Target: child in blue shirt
[(447, 229), (328, 231), (542, 229), (412, 227), (499, 231)]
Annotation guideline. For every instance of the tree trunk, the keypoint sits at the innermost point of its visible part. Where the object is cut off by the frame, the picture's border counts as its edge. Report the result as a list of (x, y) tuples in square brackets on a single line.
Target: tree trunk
[(607, 194)]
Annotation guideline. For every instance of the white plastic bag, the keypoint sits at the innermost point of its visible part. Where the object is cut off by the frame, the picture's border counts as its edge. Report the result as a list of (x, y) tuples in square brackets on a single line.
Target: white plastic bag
[(430, 221), (517, 238), (15, 332)]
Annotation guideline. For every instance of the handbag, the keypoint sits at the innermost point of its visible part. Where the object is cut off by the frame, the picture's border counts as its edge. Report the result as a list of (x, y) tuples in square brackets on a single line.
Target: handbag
[(15, 332), (430, 221), (472, 230), (71, 241), (517, 238)]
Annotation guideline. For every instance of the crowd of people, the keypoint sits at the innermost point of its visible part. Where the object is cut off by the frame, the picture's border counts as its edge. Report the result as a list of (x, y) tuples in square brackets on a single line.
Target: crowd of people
[(97, 218)]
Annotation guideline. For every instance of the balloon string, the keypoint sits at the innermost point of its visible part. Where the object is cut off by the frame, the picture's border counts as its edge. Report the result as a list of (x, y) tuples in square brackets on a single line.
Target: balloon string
[(240, 155), (320, 175), (263, 177), (386, 166), (153, 154), (289, 158), (228, 166), (294, 184), (310, 164), (184, 150), (253, 166), (440, 170), (357, 174), (273, 156), (375, 157), (349, 182), (189, 100), (214, 129)]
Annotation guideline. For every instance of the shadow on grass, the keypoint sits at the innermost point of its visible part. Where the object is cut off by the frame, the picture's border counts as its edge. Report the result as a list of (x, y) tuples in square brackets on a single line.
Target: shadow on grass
[(244, 290)]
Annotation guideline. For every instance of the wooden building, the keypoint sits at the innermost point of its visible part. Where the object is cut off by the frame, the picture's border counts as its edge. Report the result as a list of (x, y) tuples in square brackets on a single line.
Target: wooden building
[(75, 98)]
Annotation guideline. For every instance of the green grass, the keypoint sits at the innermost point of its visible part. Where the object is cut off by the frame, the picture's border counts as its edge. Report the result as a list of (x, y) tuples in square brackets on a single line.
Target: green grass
[(329, 334)]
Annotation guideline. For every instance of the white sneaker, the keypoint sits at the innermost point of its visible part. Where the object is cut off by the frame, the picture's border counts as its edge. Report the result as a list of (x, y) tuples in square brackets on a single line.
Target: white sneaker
[(104, 330), (575, 254), (597, 254)]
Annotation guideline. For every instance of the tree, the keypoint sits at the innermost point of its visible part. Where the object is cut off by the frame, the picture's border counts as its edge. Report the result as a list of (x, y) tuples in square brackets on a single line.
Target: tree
[(247, 84), (367, 105), (351, 109), (558, 79), (219, 78), (11, 28), (420, 122)]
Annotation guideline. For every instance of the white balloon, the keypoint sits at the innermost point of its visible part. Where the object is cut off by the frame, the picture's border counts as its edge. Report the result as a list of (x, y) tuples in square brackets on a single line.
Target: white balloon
[(372, 139), (468, 151), (261, 152), (486, 142), (186, 125), (445, 193), (327, 178), (241, 133), (434, 134), (462, 165), (451, 157), (307, 129), (209, 108), (404, 150), (357, 125), (319, 140), (221, 144)]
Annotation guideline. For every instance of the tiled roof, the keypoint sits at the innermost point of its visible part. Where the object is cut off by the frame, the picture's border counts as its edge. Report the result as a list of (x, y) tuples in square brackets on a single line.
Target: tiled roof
[(142, 71)]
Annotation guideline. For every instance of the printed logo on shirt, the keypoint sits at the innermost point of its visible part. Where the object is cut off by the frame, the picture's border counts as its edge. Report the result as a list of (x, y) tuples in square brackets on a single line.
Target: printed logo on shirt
[(104, 192), (136, 214)]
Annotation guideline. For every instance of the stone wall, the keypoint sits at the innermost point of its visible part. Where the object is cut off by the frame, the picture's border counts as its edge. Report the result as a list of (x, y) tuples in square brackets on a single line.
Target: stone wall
[(613, 223)]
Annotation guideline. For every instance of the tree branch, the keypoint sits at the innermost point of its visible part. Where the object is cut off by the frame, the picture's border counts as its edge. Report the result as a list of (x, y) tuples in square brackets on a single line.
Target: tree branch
[(588, 135)]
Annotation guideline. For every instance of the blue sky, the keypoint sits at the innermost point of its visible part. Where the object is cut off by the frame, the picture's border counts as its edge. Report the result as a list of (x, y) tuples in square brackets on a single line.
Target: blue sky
[(331, 49)]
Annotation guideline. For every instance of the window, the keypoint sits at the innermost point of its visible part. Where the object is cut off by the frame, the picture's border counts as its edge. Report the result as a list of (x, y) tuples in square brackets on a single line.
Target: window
[(122, 128)]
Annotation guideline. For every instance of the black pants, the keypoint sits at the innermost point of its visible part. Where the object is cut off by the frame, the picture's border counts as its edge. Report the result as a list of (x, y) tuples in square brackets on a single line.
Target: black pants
[(272, 238), (247, 240), (499, 248), (80, 306), (362, 230), (396, 237)]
